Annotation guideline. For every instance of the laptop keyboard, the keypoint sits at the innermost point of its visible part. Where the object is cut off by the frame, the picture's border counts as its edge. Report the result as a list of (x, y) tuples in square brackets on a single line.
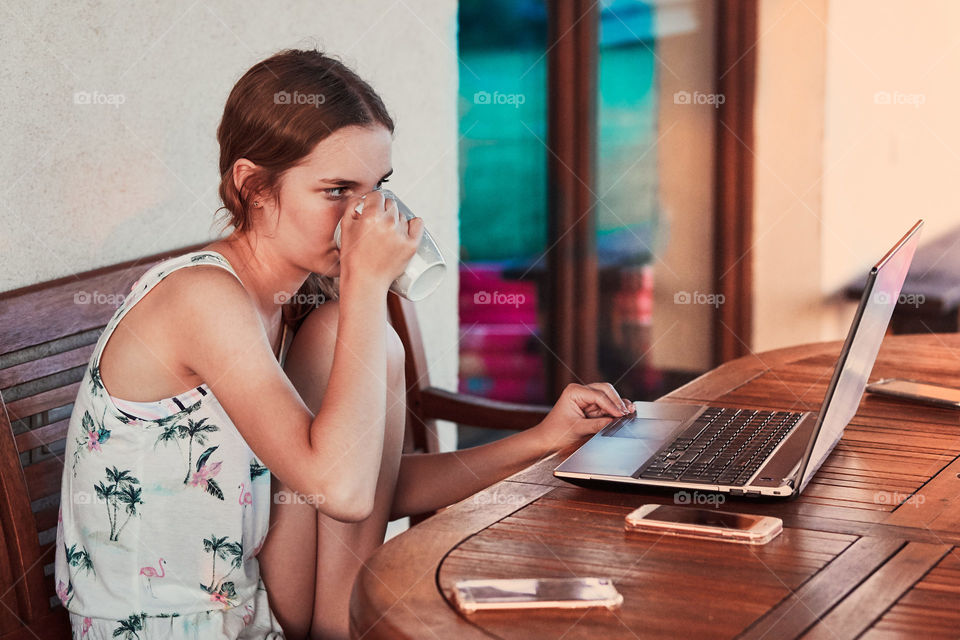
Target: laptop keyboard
[(722, 446)]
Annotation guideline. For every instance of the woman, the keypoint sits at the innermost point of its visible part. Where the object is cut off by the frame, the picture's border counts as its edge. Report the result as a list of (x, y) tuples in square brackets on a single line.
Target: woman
[(166, 504)]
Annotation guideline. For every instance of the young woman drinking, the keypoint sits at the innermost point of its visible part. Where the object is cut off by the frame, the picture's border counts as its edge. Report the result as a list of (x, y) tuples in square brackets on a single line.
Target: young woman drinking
[(277, 469)]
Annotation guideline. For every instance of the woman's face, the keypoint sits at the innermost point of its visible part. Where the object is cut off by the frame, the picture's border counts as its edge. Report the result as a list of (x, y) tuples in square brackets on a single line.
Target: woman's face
[(314, 195)]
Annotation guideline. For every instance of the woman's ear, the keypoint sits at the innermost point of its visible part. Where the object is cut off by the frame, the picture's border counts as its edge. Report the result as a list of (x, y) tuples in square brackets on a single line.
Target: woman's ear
[(243, 169)]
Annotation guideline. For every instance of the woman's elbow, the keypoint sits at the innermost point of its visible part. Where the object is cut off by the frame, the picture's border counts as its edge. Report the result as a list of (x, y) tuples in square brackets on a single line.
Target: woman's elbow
[(347, 506)]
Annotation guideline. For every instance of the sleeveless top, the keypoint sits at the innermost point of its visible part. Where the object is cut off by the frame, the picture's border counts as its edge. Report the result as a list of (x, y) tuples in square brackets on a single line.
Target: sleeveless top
[(163, 506)]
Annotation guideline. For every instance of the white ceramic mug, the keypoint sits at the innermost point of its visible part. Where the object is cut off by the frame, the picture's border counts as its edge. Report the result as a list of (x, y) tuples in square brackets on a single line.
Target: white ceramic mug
[(425, 270)]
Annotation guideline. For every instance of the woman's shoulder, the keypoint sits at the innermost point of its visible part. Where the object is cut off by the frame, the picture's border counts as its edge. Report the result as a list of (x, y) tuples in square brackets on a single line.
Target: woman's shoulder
[(204, 298), (201, 280)]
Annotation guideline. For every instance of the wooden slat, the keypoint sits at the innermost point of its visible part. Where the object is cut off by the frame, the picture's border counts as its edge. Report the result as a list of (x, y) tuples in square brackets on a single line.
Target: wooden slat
[(930, 605), (47, 518), (44, 435), (44, 478), (31, 405), (391, 594), (855, 614), (27, 371), (937, 504), (803, 607), (36, 314)]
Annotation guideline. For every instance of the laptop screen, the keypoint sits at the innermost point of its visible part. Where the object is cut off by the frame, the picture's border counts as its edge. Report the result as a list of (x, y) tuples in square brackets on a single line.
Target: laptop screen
[(860, 350)]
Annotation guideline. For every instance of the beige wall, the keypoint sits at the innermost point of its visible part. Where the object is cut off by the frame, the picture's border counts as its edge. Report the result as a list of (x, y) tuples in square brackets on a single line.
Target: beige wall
[(841, 173), (88, 185), (788, 143), (885, 165)]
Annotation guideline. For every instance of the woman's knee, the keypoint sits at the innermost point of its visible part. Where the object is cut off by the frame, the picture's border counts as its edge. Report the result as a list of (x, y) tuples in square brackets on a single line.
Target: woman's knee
[(288, 560)]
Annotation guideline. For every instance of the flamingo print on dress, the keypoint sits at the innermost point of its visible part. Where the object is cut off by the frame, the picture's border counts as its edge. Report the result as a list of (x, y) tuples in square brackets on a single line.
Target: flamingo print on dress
[(245, 497), (151, 573)]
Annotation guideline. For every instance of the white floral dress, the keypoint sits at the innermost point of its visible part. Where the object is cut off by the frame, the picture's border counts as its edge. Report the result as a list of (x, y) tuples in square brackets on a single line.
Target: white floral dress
[(163, 510)]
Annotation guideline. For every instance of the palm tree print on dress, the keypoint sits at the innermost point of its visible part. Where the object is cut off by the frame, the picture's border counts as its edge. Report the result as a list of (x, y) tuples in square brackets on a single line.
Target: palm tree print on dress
[(220, 590), (96, 384), (121, 490), (93, 437), (169, 429), (128, 628), (203, 476), (80, 559), (192, 431), (256, 469)]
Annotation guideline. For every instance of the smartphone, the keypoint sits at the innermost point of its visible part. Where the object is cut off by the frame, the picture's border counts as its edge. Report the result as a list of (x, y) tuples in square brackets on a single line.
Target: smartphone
[(916, 391), (704, 523), (535, 593)]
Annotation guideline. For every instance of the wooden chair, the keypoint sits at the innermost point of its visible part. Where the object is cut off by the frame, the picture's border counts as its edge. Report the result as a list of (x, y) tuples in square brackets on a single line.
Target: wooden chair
[(47, 335)]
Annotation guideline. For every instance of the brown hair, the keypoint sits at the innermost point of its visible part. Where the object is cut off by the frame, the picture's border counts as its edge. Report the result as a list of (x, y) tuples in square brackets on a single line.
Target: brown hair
[(275, 115)]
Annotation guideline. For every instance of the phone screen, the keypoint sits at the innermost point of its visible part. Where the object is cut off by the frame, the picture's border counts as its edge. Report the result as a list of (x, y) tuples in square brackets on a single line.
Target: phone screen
[(528, 593), (527, 590), (702, 517)]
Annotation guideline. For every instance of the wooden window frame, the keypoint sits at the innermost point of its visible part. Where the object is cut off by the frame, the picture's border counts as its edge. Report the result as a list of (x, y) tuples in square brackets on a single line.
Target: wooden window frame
[(571, 296)]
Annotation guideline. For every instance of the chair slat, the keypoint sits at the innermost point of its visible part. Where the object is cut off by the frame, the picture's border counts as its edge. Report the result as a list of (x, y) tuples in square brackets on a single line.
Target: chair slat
[(41, 436), (46, 518), (43, 478), (24, 372), (49, 310), (32, 405)]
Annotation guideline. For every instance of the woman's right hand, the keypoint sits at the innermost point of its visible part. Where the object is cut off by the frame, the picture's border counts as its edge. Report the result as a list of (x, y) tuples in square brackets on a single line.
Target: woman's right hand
[(377, 244)]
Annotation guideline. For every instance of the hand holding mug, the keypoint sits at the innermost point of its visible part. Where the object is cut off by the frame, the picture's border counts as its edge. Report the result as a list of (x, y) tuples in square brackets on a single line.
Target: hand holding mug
[(424, 269), (377, 241)]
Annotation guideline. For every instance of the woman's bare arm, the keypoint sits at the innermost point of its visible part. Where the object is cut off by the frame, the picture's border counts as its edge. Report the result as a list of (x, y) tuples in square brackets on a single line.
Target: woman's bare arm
[(430, 481), (222, 339)]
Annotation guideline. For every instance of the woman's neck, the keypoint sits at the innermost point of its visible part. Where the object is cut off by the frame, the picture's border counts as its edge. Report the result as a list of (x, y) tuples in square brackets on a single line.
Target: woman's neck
[(267, 277)]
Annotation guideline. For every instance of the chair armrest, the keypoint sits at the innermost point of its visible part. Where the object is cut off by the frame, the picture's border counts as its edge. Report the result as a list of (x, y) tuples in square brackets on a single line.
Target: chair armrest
[(440, 404)]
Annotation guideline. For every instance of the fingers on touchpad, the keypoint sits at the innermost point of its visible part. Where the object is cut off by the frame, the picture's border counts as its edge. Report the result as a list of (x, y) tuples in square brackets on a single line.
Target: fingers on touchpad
[(645, 428)]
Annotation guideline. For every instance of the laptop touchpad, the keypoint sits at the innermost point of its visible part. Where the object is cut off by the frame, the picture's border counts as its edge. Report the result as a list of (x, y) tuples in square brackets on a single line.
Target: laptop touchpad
[(645, 428)]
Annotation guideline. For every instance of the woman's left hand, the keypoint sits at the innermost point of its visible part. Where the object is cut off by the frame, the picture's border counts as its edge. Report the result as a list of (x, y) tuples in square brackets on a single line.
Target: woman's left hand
[(581, 410)]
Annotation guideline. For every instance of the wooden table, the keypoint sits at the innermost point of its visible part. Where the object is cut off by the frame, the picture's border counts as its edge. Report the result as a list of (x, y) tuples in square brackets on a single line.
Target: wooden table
[(870, 547)]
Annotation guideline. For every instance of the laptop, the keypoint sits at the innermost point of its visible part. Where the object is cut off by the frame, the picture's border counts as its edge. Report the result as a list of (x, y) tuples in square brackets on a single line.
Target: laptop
[(743, 451)]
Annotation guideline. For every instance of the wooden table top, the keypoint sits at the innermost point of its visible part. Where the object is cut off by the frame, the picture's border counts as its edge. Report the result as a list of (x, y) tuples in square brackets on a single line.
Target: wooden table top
[(869, 549)]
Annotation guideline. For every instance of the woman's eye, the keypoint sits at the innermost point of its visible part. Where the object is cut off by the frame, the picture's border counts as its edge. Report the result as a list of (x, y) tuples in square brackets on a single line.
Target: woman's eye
[(335, 192)]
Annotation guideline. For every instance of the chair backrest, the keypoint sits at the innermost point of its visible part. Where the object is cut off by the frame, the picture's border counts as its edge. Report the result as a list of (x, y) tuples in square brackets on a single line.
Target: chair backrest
[(421, 431), (47, 333)]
